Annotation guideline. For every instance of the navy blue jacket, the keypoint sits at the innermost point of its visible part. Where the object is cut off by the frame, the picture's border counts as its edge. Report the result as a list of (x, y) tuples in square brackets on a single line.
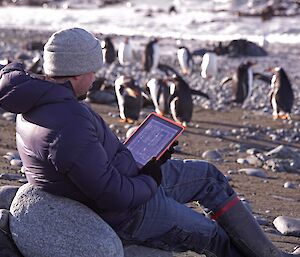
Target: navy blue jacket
[(68, 150)]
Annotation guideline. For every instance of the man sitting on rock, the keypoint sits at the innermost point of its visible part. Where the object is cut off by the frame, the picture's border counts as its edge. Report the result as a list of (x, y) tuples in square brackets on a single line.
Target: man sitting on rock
[(67, 149)]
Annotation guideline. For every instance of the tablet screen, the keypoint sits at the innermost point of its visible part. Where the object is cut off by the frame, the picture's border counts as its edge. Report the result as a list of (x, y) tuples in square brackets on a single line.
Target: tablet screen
[(152, 138)]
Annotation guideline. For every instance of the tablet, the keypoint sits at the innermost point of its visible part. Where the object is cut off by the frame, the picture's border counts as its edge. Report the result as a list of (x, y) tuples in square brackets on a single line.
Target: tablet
[(152, 138)]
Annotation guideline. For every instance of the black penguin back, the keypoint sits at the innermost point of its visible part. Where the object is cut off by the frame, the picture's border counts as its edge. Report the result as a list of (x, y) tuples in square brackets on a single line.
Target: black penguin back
[(110, 54), (148, 55), (284, 95), (240, 83), (184, 104)]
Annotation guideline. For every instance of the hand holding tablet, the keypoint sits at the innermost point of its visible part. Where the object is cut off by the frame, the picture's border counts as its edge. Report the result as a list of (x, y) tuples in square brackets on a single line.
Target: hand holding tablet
[(152, 138)]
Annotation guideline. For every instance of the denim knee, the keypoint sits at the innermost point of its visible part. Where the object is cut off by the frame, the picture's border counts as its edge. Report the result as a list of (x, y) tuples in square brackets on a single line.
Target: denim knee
[(180, 239)]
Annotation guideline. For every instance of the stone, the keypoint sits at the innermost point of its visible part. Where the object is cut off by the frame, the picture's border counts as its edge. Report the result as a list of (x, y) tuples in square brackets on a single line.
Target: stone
[(7, 193), (130, 131), (9, 116), (69, 227), (289, 184), (16, 162), (254, 172), (11, 176), (287, 226), (7, 246), (4, 219), (254, 160), (283, 152), (212, 155), (242, 161)]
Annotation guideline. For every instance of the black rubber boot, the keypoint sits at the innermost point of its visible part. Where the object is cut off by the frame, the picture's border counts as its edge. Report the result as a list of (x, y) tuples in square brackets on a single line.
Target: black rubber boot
[(245, 232), (221, 246)]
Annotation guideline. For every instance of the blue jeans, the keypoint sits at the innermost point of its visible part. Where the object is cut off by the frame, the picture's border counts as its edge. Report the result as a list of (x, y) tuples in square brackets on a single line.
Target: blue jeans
[(166, 222)]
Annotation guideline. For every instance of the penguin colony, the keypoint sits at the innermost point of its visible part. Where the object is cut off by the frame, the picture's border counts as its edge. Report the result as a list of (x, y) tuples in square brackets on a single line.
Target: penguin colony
[(170, 94)]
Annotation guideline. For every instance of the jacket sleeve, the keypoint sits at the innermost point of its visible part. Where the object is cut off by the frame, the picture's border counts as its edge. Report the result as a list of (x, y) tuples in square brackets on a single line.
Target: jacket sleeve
[(77, 152)]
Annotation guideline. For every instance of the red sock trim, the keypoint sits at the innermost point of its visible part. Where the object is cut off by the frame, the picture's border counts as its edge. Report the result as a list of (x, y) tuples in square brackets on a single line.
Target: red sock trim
[(224, 209)]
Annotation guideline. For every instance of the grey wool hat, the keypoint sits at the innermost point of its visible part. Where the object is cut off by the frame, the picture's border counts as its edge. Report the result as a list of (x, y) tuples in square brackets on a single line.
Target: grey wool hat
[(71, 52)]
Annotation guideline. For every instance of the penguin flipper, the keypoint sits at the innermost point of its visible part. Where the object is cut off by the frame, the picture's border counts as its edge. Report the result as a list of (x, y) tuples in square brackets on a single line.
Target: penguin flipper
[(262, 77), (200, 93), (225, 80), (168, 70), (172, 97)]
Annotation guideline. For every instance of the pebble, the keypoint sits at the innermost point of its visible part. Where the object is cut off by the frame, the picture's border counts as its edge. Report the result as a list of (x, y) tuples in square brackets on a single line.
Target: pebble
[(254, 172), (261, 221), (230, 172), (213, 155), (252, 151), (16, 162), (9, 116), (13, 154), (242, 161), (10, 176), (289, 185), (254, 160), (130, 131), (287, 226), (112, 126)]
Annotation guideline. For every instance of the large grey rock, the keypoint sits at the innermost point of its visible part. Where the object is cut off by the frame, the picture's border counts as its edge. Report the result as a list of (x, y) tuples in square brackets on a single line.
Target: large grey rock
[(4, 220), (59, 226), (7, 193), (7, 246), (287, 225)]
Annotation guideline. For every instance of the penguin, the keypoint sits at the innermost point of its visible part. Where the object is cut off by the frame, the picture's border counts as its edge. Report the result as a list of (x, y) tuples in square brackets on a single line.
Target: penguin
[(160, 94), (36, 65), (151, 55), (281, 94), (181, 102), (242, 82), (125, 52), (209, 65), (129, 97), (185, 60), (108, 51)]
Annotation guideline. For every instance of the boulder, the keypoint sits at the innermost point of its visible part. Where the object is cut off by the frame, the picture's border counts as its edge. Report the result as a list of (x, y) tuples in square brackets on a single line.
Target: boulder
[(59, 226), (7, 246), (7, 193), (4, 220)]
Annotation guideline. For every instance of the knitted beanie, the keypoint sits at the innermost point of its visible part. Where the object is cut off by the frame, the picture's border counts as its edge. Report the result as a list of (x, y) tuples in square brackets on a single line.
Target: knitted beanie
[(71, 52)]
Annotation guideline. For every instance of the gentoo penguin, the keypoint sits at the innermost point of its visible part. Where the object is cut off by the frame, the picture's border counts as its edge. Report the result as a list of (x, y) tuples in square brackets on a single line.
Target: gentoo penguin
[(108, 50), (160, 95), (181, 102), (36, 65), (281, 94), (125, 52), (209, 65), (242, 82), (129, 97), (185, 60), (151, 55)]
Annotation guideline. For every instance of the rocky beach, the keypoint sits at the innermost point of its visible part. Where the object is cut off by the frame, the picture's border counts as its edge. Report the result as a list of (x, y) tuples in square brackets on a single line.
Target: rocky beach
[(259, 156)]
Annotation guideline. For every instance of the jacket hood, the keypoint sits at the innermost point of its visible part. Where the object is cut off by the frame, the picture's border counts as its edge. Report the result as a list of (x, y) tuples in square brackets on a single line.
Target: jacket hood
[(20, 92)]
